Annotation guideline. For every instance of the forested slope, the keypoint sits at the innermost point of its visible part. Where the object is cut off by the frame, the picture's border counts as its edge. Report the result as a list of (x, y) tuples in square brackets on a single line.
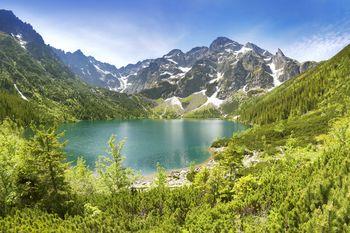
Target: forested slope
[(51, 92), (327, 84)]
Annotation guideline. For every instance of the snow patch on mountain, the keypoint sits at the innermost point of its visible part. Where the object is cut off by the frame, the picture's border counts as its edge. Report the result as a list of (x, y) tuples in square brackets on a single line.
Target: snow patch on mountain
[(101, 70), (242, 50), (20, 93), (20, 40), (174, 101), (171, 60), (214, 100), (184, 69), (166, 73), (244, 88), (219, 77), (123, 83), (276, 73), (200, 92)]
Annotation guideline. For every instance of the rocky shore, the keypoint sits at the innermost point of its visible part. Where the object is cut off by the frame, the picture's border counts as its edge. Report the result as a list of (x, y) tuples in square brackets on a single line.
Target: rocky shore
[(178, 177)]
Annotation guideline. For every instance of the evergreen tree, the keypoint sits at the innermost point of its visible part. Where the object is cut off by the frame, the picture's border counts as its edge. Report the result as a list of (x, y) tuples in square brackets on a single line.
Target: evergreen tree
[(41, 177), (113, 176), (81, 178)]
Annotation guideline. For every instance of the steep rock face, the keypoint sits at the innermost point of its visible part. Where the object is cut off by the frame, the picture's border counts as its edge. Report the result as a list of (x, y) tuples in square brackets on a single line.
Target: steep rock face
[(223, 44), (307, 65), (22, 31), (90, 70), (27, 38), (286, 67), (197, 79), (222, 68)]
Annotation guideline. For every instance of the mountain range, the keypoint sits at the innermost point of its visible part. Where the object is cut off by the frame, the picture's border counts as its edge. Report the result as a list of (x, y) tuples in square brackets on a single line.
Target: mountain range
[(178, 83), (209, 74), (224, 67), (35, 85)]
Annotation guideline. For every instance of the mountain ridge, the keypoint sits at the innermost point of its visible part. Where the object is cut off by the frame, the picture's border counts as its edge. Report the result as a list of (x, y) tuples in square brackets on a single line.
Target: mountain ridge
[(208, 75), (34, 76), (173, 66)]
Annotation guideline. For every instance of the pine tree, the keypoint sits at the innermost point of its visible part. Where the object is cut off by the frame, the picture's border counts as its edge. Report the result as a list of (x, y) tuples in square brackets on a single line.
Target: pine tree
[(114, 177), (41, 177)]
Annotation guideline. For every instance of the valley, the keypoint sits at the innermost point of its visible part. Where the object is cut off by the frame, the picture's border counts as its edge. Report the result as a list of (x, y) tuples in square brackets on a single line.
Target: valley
[(86, 146)]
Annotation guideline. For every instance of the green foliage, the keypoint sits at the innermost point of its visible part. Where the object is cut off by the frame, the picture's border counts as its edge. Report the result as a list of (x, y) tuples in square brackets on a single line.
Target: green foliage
[(191, 173), (204, 112), (81, 178), (114, 177), (193, 101), (19, 110), (300, 182), (40, 177), (11, 148), (271, 137), (221, 142), (160, 180), (53, 92), (304, 189), (316, 88), (165, 110), (232, 104)]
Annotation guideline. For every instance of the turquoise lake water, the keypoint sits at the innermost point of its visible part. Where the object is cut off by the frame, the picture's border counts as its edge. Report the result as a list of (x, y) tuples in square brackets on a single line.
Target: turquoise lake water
[(172, 143)]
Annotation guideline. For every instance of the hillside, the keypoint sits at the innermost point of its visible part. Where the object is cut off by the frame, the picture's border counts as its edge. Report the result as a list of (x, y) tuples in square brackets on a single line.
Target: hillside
[(301, 109), (54, 91), (289, 175), (327, 84), (33, 76)]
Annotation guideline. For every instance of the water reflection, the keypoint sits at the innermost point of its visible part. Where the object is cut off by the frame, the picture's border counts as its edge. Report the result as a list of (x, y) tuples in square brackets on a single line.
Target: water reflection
[(172, 143)]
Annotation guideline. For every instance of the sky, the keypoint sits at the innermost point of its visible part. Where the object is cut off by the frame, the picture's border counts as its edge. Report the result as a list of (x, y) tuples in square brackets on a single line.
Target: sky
[(122, 32)]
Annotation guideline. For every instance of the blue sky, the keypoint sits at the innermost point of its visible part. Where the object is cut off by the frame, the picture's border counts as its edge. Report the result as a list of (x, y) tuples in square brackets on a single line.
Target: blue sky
[(122, 32)]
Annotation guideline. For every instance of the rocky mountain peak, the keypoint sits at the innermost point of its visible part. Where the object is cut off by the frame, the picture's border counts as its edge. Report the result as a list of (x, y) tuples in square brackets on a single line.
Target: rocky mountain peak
[(280, 53), (7, 13), (222, 43), (78, 53), (222, 40), (196, 50), (174, 53), (257, 49), (216, 72), (12, 25)]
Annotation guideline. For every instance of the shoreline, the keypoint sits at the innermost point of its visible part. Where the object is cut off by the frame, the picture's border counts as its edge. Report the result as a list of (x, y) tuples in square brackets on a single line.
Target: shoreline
[(177, 177)]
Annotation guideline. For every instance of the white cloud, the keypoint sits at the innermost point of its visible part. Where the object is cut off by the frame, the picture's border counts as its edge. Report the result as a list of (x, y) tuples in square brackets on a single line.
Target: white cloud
[(118, 46), (323, 44), (320, 46), (304, 43), (118, 40)]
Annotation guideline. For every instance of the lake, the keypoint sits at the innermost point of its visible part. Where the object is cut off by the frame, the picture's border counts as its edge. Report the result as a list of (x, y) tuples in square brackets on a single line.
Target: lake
[(172, 143)]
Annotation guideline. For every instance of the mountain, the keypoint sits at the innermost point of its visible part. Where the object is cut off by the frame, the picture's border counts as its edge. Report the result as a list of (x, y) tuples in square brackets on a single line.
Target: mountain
[(217, 71), (214, 73), (34, 76), (200, 80), (92, 71), (316, 89), (222, 68)]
